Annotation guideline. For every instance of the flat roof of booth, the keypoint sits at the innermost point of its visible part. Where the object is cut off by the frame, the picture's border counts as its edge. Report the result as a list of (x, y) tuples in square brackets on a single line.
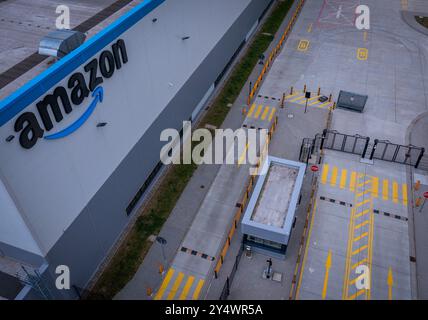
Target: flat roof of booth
[(274, 200)]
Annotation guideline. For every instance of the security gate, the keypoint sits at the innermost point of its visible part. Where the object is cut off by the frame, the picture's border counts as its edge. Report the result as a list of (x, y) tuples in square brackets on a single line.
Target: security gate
[(360, 145), (388, 151), (355, 144)]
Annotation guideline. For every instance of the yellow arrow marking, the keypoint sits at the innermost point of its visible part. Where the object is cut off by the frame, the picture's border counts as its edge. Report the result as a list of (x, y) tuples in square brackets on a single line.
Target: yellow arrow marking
[(390, 282), (327, 273)]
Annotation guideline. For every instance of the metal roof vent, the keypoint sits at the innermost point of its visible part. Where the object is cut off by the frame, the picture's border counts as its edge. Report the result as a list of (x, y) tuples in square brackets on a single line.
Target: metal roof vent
[(59, 43)]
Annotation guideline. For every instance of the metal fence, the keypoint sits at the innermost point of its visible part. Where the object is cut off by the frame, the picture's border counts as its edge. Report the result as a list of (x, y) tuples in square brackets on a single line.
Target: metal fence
[(361, 146), (226, 289)]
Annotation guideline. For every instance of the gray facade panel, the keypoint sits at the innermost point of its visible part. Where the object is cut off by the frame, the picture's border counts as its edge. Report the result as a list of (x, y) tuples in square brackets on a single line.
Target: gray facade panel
[(86, 242)]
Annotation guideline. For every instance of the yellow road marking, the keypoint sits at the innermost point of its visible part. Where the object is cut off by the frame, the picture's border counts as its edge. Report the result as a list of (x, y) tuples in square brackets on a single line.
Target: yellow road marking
[(362, 54), (385, 189), (198, 289), (303, 45), (309, 100), (259, 110), (265, 113), (272, 114), (313, 103), (375, 187), (357, 294), (308, 240), (242, 157), (165, 283), (365, 234), (362, 213), (324, 174), (175, 286), (343, 177), (333, 176), (324, 104), (365, 36), (358, 226), (250, 113), (353, 181), (310, 28), (357, 251), (390, 282), (293, 95), (186, 288), (360, 194), (359, 263), (359, 204), (404, 190), (348, 256), (298, 98), (395, 191), (326, 276)]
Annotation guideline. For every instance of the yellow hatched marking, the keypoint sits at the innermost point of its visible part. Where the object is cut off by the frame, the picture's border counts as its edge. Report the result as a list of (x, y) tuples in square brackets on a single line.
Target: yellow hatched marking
[(324, 104), (297, 99), (353, 181), (175, 286), (362, 203), (165, 283), (395, 191), (404, 190), (365, 234), (198, 289), (186, 288), (357, 294), (362, 213), (358, 226), (293, 95), (272, 114), (334, 176), (343, 177), (265, 113), (360, 194), (324, 173), (385, 189), (250, 113), (259, 110), (357, 251), (359, 263), (309, 100), (375, 187), (363, 183)]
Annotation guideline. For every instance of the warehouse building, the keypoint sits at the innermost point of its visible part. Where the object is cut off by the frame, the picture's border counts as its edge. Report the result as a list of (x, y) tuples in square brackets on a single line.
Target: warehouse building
[(80, 142)]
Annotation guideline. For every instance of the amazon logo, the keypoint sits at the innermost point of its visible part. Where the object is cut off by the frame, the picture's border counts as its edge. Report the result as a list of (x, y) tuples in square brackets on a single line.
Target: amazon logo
[(54, 106)]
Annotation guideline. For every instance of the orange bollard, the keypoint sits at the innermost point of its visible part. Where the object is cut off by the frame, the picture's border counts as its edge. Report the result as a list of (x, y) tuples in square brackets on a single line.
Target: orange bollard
[(331, 97), (304, 89), (291, 90), (283, 100), (244, 111), (161, 269), (149, 291), (418, 202), (417, 185), (319, 91)]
